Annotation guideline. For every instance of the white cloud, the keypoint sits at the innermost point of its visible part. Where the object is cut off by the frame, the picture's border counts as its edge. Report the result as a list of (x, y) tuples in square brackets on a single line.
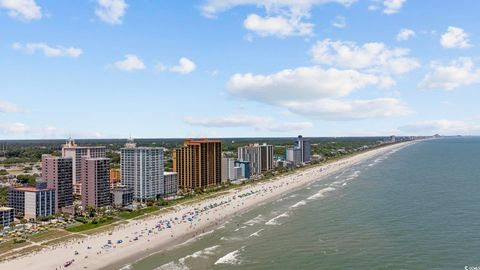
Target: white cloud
[(303, 83), (111, 11), (213, 7), (317, 92), (330, 109), (389, 6), (393, 6), (256, 122), (130, 63), (185, 66), (339, 22), (455, 38), (405, 34), (47, 50), (443, 127), (283, 17), (277, 26), (22, 9), (8, 107), (461, 72), (372, 57)]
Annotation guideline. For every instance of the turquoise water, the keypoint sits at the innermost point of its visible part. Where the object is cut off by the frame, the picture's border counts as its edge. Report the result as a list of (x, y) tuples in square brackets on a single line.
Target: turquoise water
[(416, 208)]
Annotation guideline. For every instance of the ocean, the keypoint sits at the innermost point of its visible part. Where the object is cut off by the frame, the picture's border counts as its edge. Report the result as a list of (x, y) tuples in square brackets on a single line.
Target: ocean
[(414, 208)]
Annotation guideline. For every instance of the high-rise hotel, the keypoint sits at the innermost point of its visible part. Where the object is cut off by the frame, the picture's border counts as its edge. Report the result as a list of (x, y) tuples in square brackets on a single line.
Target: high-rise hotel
[(198, 164), (142, 170), (95, 182), (72, 150), (57, 171), (260, 157)]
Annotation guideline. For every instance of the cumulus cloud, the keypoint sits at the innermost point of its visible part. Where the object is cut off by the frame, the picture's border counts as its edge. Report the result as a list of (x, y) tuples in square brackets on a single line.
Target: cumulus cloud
[(339, 22), (256, 122), (8, 107), (130, 63), (372, 57), (277, 26), (393, 6), (111, 11), (461, 72), (455, 37), (283, 17), (331, 109), (22, 9), (317, 92), (303, 83), (185, 66), (47, 50), (443, 127), (405, 34)]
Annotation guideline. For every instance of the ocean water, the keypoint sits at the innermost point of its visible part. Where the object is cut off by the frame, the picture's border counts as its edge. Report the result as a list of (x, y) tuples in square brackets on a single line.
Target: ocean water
[(415, 208)]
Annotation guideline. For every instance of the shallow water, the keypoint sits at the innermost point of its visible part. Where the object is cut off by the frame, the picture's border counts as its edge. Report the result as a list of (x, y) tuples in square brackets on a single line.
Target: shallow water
[(415, 208)]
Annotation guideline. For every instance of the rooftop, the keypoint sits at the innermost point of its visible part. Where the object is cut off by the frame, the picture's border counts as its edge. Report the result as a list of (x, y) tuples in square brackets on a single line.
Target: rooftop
[(32, 189)]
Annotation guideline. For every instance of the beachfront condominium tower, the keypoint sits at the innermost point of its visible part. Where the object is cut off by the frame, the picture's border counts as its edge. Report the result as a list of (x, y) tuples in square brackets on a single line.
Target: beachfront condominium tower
[(72, 150), (305, 149), (95, 182), (57, 171), (142, 170), (259, 156), (198, 164)]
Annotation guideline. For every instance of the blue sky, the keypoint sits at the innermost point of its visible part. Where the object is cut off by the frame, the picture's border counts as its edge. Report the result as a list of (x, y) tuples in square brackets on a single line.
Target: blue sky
[(234, 68)]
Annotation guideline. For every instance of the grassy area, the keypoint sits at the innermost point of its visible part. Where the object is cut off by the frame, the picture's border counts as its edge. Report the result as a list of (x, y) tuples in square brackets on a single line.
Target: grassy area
[(63, 239), (90, 226), (21, 252), (104, 228), (50, 234), (10, 245), (136, 213)]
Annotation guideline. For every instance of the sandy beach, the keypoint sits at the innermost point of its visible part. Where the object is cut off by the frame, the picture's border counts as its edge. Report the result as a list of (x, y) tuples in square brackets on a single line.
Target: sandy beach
[(139, 238)]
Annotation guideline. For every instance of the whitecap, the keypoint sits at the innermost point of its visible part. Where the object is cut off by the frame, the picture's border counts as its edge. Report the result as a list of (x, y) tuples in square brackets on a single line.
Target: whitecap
[(231, 258), (255, 220), (321, 193), (256, 233), (273, 221), (300, 203), (126, 267)]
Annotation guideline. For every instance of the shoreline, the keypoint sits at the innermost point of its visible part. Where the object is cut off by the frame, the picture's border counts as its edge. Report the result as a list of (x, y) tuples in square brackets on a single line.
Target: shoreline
[(184, 223)]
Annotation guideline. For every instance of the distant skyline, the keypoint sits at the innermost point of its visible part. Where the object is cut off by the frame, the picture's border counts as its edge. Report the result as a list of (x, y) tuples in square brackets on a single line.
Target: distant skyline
[(238, 68)]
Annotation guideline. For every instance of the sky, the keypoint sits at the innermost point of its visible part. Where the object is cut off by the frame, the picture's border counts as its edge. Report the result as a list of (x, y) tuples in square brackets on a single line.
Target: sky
[(238, 68)]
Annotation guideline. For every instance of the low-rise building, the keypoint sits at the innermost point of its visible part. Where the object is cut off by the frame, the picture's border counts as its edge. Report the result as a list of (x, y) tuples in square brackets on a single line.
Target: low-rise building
[(294, 155), (170, 181), (115, 178), (121, 196), (244, 166), (32, 202), (7, 215)]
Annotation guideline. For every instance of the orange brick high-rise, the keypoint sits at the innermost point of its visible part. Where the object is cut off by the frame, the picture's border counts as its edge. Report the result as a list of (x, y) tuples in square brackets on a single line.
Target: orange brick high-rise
[(198, 164)]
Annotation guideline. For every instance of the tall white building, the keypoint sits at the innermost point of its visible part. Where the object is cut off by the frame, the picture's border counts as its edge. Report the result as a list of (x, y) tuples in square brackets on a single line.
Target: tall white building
[(228, 169), (142, 170), (259, 156), (71, 150)]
